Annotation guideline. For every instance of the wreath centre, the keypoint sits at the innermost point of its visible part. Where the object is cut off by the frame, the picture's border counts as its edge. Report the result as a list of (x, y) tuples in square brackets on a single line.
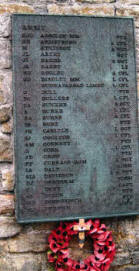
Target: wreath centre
[(103, 247)]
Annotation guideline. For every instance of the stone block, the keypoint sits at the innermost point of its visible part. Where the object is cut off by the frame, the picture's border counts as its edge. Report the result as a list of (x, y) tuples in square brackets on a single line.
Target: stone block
[(128, 229), (23, 262), (81, 9), (5, 113), (128, 268), (3, 248), (6, 204), (121, 259), (6, 95), (5, 55), (8, 227), (42, 226), (5, 25), (7, 181), (97, 1), (15, 8), (135, 257), (7, 127), (2, 96), (129, 2), (31, 241), (6, 153), (136, 227), (129, 11)]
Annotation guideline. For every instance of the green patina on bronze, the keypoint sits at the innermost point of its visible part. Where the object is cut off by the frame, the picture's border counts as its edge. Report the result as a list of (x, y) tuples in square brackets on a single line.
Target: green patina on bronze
[(75, 111)]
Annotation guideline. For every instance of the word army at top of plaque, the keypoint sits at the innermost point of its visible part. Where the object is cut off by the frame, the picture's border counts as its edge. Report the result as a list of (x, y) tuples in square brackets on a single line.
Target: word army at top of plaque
[(75, 110)]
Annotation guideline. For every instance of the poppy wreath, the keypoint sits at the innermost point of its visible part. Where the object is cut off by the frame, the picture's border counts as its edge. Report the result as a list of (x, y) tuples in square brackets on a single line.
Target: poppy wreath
[(103, 248)]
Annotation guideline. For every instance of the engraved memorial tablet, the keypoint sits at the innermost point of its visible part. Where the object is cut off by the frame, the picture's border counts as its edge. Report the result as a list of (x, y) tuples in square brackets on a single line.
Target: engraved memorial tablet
[(75, 109)]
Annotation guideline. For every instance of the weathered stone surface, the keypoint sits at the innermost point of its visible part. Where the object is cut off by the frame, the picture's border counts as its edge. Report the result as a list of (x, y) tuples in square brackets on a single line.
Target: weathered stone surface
[(3, 247), (121, 259), (129, 2), (135, 257), (7, 127), (7, 180), (127, 268), (1, 97), (5, 25), (6, 204), (78, 9), (1, 91), (6, 87), (5, 55), (5, 113), (42, 226), (137, 48), (23, 262), (97, 1), (32, 241), (6, 154), (126, 234), (15, 8), (8, 227), (129, 11)]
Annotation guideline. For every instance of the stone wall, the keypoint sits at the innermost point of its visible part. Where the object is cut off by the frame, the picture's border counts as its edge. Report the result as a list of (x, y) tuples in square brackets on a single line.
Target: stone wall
[(23, 248)]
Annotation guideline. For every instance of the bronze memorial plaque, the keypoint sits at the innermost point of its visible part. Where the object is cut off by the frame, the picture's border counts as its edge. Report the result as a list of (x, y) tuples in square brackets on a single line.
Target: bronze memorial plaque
[(75, 111)]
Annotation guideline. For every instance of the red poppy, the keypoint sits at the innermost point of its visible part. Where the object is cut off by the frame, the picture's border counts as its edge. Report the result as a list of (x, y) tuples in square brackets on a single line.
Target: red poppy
[(51, 238), (54, 246), (91, 264), (94, 226), (51, 256), (99, 250), (102, 228), (59, 265), (57, 233), (68, 262), (102, 236), (64, 252), (80, 266), (70, 228), (99, 256), (106, 266)]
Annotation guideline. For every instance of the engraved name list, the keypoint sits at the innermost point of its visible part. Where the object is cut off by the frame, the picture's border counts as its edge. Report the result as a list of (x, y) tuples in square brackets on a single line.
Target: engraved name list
[(75, 100)]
